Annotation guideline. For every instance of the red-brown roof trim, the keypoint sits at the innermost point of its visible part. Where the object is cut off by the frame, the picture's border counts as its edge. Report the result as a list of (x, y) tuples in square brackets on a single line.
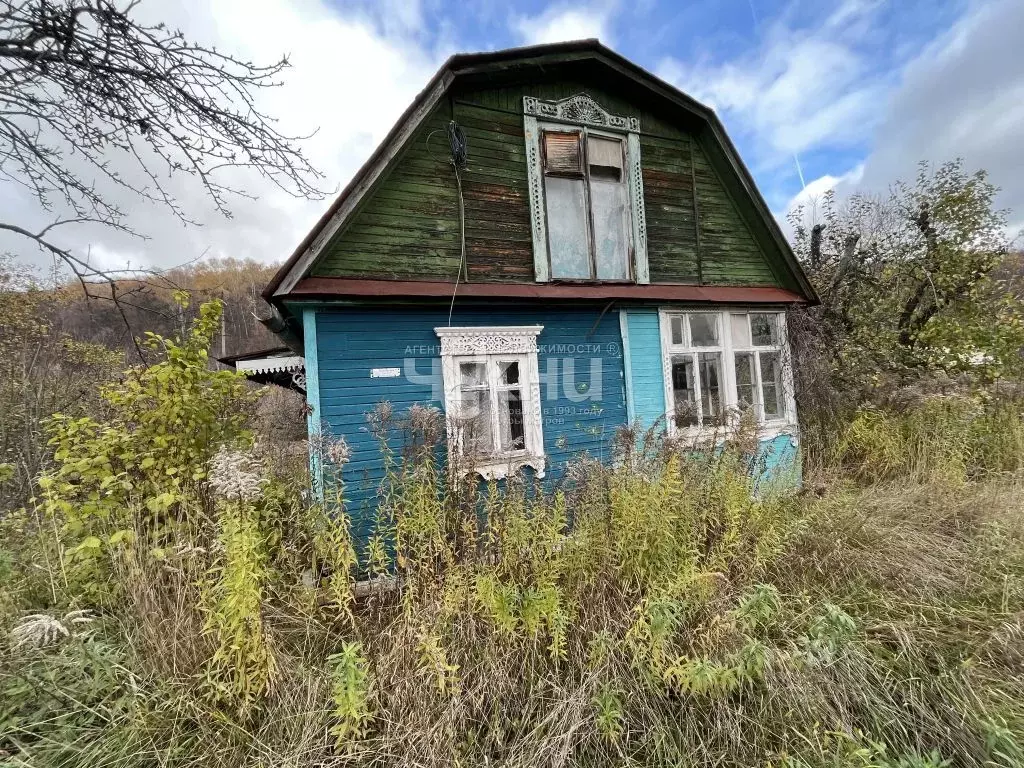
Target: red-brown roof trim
[(336, 287)]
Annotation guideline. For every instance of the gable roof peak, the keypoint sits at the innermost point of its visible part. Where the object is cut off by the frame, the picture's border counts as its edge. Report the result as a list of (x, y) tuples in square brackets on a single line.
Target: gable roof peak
[(462, 65)]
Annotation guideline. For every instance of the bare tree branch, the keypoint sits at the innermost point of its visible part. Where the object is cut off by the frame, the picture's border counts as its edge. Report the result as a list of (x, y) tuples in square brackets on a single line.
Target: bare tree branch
[(89, 80)]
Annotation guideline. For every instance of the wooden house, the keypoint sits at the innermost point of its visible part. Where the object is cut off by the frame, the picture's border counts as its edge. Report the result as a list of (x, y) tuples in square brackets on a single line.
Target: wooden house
[(549, 244)]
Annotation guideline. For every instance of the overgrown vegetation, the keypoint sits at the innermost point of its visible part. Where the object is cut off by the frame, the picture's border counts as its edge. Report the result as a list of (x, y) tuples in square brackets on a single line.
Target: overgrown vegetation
[(170, 599), (919, 290), (171, 594)]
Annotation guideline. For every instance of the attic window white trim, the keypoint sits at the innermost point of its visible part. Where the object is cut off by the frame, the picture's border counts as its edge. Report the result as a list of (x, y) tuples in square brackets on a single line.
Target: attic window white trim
[(582, 110), (488, 349)]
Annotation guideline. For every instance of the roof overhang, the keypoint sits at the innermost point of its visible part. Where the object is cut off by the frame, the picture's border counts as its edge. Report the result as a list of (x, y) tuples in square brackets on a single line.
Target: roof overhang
[(313, 288), (271, 366), (471, 65)]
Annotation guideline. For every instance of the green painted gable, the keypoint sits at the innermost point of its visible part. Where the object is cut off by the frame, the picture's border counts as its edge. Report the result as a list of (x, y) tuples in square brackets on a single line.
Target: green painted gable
[(700, 226)]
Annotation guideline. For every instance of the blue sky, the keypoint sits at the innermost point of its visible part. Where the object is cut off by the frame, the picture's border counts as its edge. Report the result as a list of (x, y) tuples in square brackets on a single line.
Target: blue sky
[(799, 85), (856, 92)]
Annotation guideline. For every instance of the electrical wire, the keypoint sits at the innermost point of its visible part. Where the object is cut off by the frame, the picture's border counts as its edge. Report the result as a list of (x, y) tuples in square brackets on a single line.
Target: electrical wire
[(458, 158)]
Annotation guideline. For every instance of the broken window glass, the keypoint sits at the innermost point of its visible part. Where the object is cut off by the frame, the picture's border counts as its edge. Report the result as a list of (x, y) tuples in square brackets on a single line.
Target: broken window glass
[(684, 391), (745, 375), (510, 407), (771, 385)]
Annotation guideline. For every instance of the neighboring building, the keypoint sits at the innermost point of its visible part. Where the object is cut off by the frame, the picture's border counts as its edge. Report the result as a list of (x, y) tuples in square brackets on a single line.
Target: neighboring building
[(549, 244)]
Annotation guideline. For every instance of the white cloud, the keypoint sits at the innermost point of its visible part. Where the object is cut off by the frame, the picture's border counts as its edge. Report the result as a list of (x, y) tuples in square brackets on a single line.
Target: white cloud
[(799, 90), (348, 80), (816, 189), (963, 96), (566, 22)]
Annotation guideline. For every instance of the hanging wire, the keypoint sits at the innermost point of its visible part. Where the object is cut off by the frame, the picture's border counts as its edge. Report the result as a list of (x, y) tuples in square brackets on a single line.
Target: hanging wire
[(458, 158)]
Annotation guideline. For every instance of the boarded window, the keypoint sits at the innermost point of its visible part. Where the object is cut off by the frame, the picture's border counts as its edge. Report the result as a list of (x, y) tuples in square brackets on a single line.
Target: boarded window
[(562, 152)]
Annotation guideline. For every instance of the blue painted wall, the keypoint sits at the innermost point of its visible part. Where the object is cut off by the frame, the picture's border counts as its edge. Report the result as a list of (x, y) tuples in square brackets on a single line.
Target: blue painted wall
[(579, 357), (645, 379), (778, 463), (591, 363)]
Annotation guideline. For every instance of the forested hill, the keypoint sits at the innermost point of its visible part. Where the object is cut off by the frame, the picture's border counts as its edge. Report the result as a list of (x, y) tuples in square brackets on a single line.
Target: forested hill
[(149, 305)]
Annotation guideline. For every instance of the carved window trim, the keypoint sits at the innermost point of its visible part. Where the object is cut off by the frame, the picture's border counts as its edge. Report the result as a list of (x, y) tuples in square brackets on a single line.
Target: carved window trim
[(489, 344), (581, 110)]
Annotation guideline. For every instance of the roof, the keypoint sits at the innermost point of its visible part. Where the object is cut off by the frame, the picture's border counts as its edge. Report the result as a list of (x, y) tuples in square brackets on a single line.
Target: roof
[(470, 64), (277, 365)]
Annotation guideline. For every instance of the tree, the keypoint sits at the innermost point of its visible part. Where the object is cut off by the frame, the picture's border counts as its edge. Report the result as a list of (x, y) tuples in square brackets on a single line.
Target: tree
[(910, 283), (88, 78)]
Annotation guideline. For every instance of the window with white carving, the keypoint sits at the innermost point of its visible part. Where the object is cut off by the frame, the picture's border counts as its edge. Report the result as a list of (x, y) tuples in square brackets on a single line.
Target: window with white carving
[(492, 398), (587, 205), (586, 191), (720, 363)]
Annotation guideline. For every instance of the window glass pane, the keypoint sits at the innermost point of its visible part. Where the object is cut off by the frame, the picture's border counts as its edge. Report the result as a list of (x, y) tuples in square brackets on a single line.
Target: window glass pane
[(508, 372), (475, 420), (473, 374), (605, 157), (740, 330), (510, 418), (611, 222), (684, 392), (677, 330), (710, 366), (562, 152), (704, 330), (771, 385), (567, 228), (744, 378), (763, 328)]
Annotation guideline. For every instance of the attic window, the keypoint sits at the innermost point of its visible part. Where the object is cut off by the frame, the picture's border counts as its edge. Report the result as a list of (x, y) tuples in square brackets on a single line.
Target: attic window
[(587, 206), (586, 192)]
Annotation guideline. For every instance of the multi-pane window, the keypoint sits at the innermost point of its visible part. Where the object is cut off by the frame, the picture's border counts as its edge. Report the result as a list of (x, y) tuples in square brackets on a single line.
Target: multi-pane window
[(490, 406), (720, 363), (587, 205), (492, 398), (757, 354), (695, 362)]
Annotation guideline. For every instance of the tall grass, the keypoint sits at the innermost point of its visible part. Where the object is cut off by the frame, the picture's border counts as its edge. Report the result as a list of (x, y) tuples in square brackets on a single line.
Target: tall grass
[(654, 613)]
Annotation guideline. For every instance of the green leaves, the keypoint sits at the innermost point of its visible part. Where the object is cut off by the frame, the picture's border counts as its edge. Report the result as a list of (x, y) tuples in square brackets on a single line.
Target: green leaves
[(350, 693), (164, 423), (910, 283)]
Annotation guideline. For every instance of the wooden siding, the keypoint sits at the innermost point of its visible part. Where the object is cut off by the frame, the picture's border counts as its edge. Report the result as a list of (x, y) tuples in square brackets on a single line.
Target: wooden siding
[(645, 380), (408, 228), (351, 342)]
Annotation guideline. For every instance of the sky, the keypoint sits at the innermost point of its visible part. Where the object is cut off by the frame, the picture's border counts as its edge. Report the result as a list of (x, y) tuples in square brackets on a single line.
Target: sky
[(850, 95)]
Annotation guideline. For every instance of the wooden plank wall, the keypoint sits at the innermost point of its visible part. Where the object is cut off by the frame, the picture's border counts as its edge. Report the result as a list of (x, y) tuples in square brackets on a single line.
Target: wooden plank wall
[(578, 346), (409, 227)]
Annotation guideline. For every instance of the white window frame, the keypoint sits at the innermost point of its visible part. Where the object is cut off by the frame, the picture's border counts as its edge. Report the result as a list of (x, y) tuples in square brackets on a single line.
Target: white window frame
[(491, 345), (581, 111), (729, 393)]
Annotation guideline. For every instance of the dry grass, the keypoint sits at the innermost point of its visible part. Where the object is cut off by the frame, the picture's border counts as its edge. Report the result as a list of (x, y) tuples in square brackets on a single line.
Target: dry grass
[(680, 621)]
